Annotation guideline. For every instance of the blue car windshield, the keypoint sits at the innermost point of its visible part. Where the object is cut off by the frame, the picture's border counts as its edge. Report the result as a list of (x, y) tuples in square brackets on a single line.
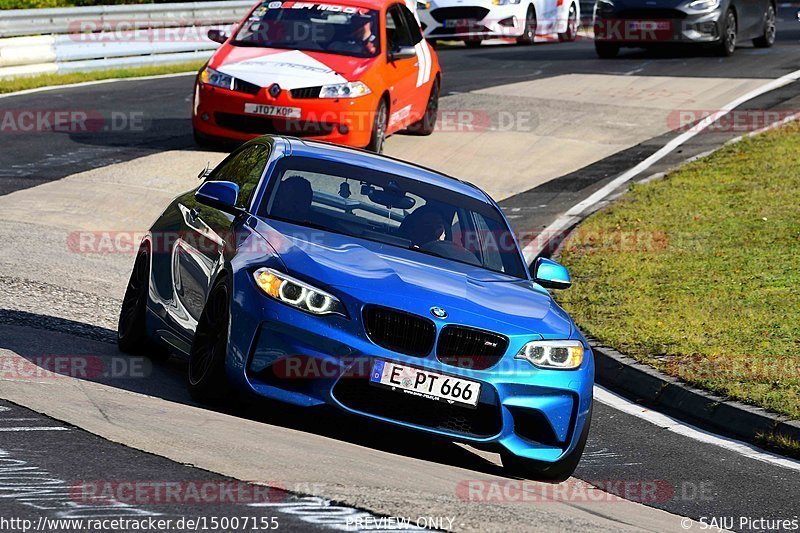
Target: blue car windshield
[(393, 210)]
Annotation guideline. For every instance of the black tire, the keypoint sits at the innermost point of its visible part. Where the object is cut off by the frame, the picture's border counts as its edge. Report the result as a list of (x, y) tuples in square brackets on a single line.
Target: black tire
[(529, 30), (131, 332), (473, 43), (606, 50), (379, 124), (427, 123), (206, 377), (202, 140), (572, 26), (556, 472), (770, 30), (727, 43)]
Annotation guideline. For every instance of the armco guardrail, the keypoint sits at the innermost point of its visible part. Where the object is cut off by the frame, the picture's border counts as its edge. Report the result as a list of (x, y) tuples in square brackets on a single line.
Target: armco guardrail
[(37, 41)]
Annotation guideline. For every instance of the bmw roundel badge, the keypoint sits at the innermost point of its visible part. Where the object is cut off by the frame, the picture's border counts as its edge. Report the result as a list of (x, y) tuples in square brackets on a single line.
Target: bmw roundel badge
[(438, 312)]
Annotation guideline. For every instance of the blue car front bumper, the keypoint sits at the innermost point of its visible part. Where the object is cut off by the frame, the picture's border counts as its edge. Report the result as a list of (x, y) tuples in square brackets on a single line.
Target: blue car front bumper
[(285, 354)]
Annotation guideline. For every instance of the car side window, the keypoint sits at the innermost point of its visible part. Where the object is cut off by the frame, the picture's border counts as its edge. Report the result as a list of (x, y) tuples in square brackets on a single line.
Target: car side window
[(244, 168), (415, 32), (397, 31)]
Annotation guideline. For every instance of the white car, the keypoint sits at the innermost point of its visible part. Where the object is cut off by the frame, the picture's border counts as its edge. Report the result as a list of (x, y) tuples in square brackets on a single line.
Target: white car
[(473, 21)]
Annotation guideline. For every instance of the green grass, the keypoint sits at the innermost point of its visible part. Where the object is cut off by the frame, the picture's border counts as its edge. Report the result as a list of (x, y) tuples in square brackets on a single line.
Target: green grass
[(779, 443), (705, 284), (44, 80)]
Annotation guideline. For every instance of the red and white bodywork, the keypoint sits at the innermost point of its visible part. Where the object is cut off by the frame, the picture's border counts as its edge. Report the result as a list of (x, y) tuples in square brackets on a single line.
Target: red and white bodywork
[(326, 86)]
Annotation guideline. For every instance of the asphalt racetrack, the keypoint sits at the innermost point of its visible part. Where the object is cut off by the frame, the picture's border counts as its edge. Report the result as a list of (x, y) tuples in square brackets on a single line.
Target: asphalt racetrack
[(540, 128)]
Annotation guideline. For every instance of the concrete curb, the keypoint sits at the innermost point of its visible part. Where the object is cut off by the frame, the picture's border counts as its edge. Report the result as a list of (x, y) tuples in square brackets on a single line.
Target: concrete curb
[(674, 397)]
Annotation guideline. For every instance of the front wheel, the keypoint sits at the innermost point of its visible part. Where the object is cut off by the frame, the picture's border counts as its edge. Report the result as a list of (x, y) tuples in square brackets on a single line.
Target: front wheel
[(427, 123), (572, 26), (727, 44), (770, 30), (606, 50), (379, 125), (207, 381), (558, 471), (202, 140), (529, 30), (131, 332)]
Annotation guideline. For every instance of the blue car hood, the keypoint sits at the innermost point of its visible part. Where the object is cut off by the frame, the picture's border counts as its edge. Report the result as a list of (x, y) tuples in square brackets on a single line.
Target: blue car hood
[(373, 272)]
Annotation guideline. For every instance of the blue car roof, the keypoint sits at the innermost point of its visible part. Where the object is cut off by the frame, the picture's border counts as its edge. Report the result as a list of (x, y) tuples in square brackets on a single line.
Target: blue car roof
[(363, 158)]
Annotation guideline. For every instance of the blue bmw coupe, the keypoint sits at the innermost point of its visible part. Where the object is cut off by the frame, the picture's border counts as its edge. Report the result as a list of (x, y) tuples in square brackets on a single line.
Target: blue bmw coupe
[(315, 274)]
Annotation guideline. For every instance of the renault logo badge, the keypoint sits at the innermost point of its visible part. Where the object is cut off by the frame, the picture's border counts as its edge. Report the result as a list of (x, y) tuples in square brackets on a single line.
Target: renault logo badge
[(438, 312), (274, 90)]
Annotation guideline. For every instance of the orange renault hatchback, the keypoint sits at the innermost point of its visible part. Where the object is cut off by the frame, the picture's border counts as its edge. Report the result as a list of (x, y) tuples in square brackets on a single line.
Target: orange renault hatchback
[(351, 72)]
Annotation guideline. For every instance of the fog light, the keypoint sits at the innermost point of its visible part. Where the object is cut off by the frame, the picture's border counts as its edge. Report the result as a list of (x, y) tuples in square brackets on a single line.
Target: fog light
[(343, 129), (509, 22), (205, 117), (709, 28)]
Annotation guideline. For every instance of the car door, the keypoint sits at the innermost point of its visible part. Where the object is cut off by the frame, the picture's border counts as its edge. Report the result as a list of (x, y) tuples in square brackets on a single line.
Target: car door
[(750, 17), (199, 249), (419, 98), (401, 73)]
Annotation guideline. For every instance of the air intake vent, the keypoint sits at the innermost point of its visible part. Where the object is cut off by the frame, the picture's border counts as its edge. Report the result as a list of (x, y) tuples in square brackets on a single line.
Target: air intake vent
[(470, 348), (459, 13), (398, 331), (245, 86), (306, 92)]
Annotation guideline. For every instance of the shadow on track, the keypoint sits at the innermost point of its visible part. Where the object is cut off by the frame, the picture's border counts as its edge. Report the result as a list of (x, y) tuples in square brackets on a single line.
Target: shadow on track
[(166, 380)]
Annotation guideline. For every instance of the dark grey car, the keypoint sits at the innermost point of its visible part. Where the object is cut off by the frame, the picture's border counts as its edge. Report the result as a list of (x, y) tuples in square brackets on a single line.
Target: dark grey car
[(719, 24)]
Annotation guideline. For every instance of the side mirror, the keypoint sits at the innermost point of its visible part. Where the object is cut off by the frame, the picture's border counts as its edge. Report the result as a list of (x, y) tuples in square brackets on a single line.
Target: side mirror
[(220, 195), (550, 274), (404, 52), (217, 35)]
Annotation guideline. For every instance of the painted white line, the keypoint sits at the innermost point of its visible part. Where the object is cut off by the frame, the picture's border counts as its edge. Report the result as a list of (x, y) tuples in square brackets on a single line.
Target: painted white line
[(619, 403), (535, 247), (36, 428), (96, 82)]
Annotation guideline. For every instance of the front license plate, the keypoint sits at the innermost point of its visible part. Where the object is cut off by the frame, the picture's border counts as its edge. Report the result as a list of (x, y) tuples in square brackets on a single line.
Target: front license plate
[(430, 385), (649, 25), (272, 110), (459, 23)]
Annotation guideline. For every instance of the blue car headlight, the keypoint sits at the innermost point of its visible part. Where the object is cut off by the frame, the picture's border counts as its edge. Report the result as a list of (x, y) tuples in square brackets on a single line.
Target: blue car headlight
[(298, 294), (559, 355), (209, 76)]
